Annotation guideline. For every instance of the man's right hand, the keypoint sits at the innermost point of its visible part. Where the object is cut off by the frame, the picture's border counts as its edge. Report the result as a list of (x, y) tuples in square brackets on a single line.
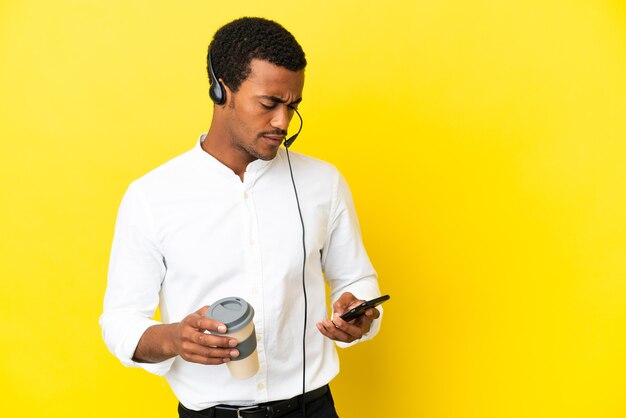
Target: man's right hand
[(188, 340)]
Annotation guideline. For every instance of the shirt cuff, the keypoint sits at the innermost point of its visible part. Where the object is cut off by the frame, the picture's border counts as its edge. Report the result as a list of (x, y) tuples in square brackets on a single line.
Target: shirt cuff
[(127, 350)]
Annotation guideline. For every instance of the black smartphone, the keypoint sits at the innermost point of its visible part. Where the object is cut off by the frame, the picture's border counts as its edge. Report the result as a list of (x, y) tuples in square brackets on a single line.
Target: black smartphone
[(359, 310)]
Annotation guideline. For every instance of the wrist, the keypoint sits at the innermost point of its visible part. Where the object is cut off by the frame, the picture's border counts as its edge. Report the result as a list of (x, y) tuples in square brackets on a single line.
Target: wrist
[(168, 344)]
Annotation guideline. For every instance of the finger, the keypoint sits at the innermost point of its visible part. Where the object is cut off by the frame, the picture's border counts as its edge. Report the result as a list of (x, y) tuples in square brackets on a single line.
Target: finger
[(195, 358), (202, 311), (331, 333), (355, 303), (354, 331), (345, 300), (198, 321), (368, 315), (194, 319), (323, 331), (191, 350), (221, 353), (211, 340), (203, 323), (364, 323), (373, 313), (336, 332)]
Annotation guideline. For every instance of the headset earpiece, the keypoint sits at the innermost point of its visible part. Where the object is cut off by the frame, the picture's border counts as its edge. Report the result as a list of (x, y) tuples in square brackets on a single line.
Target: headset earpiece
[(216, 91)]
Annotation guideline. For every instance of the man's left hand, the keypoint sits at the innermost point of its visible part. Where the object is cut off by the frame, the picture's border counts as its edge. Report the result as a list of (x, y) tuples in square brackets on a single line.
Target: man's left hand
[(339, 330)]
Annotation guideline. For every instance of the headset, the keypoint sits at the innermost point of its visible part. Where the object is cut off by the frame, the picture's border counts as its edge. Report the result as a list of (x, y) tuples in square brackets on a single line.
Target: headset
[(217, 92)]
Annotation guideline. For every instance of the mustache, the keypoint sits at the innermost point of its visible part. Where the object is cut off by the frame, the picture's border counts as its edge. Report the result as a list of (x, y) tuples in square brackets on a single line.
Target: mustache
[(281, 132)]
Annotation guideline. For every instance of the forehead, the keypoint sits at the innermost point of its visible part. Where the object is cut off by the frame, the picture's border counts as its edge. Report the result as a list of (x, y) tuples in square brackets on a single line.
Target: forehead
[(269, 79)]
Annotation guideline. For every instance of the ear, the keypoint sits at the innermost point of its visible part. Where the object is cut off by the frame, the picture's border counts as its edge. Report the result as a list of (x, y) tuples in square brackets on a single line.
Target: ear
[(228, 91)]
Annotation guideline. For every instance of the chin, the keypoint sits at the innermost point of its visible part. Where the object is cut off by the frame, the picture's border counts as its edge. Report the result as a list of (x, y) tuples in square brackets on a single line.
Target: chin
[(268, 155)]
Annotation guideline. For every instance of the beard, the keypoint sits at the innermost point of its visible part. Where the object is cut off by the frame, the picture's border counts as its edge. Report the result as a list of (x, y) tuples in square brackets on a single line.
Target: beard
[(255, 152)]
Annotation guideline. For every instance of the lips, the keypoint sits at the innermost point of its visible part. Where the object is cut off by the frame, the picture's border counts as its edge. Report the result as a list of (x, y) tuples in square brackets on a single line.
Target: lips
[(274, 139)]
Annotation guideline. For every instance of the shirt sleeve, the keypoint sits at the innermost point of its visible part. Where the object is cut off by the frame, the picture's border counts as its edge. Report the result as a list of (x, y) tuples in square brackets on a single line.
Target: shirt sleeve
[(136, 271), (347, 267)]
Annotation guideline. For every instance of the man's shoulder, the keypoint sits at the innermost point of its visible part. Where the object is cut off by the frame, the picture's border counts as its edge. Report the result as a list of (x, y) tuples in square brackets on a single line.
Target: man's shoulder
[(169, 174), (311, 165)]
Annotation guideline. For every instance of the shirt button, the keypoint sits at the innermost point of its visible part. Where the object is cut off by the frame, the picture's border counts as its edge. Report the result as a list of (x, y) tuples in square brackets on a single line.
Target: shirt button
[(260, 385), (245, 195), (255, 291)]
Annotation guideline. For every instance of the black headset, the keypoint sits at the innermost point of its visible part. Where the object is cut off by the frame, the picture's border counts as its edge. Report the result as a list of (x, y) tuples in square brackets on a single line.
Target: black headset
[(216, 91)]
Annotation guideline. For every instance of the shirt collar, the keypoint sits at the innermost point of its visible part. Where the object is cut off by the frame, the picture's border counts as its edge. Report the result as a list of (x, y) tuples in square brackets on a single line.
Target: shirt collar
[(255, 168)]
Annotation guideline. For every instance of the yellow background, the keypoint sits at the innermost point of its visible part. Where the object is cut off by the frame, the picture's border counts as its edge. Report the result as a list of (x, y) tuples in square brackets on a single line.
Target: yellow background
[(484, 142)]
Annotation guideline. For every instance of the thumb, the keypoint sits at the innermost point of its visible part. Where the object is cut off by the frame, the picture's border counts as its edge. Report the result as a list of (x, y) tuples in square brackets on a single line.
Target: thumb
[(345, 302)]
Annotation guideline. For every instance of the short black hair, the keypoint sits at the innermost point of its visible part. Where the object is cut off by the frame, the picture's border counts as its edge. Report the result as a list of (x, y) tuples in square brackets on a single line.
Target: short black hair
[(237, 43)]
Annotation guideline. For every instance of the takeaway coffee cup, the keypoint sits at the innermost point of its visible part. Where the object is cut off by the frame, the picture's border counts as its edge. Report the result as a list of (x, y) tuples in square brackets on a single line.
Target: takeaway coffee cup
[(237, 315)]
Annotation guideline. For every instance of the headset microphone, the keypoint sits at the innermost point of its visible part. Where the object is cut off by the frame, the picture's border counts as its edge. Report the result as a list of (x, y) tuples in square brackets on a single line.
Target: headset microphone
[(292, 138)]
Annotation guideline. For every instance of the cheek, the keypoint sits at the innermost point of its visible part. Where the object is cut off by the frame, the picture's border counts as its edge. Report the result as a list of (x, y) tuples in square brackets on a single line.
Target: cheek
[(242, 123), (250, 121), (256, 124)]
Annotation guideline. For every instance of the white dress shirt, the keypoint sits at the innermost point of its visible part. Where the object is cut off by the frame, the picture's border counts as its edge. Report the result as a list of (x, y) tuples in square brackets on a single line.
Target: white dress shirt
[(191, 232)]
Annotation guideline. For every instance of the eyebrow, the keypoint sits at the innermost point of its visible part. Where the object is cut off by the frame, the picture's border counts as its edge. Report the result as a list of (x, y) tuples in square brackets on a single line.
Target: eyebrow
[(279, 100)]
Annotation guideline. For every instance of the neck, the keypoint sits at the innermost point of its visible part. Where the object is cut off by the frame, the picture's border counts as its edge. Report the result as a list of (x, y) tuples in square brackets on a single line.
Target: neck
[(218, 144)]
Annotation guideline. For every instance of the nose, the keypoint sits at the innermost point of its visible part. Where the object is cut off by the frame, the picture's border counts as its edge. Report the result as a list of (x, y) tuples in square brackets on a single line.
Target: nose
[(281, 118)]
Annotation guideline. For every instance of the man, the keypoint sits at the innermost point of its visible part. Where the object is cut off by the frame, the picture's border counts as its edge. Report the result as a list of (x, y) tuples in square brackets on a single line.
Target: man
[(222, 220)]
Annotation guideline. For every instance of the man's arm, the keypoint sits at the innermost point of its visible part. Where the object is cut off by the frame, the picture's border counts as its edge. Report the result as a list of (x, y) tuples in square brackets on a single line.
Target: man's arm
[(136, 271), (349, 272), (188, 340)]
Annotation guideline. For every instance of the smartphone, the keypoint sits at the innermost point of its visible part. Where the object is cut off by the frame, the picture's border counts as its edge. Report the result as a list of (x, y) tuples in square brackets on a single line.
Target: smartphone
[(360, 310)]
